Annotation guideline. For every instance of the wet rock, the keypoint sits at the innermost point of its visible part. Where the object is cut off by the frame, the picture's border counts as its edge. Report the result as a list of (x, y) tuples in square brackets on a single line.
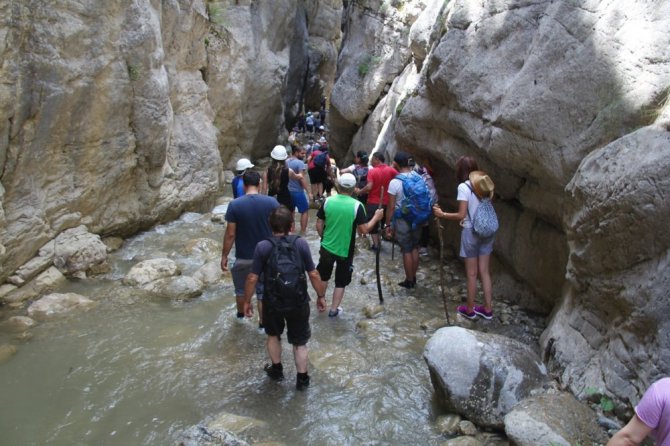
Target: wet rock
[(78, 250), (236, 424), (448, 424), (113, 243), (205, 248), (7, 351), (180, 287), (481, 376), (463, 441), (45, 282), (5, 289), (553, 419), (30, 269), (17, 324), (373, 311), (466, 427), (150, 270), (206, 436), (210, 273), (57, 304), (434, 324)]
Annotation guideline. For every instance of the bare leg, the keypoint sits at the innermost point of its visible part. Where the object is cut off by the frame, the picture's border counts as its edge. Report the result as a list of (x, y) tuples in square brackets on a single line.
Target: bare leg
[(471, 273), (259, 303), (240, 304), (338, 295), (410, 262), (415, 262), (300, 356), (273, 346), (485, 277), (303, 222)]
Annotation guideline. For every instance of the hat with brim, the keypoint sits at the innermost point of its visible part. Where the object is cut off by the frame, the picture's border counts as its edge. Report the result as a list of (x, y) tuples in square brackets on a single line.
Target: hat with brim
[(347, 180), (243, 164), (279, 153), (482, 183)]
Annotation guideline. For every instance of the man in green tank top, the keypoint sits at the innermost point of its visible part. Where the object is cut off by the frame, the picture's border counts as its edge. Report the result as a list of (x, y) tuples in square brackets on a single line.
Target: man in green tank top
[(337, 221)]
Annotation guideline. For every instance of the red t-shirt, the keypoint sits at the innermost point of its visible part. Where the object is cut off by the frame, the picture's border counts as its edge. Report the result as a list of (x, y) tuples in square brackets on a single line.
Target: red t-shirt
[(380, 176)]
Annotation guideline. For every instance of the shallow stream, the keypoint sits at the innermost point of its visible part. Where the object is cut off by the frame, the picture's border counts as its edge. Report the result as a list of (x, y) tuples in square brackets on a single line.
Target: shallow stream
[(139, 371)]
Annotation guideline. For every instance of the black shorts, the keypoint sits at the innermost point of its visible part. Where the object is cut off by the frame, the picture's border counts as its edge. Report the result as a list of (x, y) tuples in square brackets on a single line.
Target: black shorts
[(370, 212), (296, 321), (343, 270), (317, 175)]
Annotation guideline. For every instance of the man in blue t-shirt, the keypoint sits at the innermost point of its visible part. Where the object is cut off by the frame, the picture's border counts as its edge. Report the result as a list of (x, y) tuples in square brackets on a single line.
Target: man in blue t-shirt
[(298, 187), (238, 186), (251, 211)]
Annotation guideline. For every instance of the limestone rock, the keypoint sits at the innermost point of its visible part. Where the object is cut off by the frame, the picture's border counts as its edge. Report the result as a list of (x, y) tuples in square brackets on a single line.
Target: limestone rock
[(179, 287), (113, 243), (77, 250), (210, 273), (479, 375), (7, 351), (57, 304), (17, 324), (448, 424), (206, 436), (553, 419), (45, 282), (149, 270), (463, 441)]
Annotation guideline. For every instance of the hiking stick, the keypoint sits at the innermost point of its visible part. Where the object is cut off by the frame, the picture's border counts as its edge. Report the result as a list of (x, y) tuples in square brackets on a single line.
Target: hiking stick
[(379, 248), (444, 297)]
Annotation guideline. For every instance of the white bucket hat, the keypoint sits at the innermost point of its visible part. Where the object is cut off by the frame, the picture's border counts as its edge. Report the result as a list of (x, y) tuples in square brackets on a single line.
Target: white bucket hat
[(279, 153), (243, 164), (347, 180)]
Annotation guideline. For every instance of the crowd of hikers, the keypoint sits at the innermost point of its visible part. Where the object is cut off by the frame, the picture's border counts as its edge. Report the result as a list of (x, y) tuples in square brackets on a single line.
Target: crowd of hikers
[(392, 200)]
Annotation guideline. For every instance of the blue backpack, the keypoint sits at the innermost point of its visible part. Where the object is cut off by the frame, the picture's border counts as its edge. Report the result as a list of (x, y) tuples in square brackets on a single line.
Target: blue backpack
[(321, 159), (416, 205), (485, 222)]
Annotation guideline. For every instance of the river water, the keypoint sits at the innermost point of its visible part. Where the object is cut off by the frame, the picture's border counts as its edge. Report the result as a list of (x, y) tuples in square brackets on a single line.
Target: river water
[(136, 370)]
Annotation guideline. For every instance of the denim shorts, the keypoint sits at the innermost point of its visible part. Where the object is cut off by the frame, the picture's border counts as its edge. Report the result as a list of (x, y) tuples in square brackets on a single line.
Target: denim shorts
[(409, 239), (299, 200), (240, 270), (473, 246)]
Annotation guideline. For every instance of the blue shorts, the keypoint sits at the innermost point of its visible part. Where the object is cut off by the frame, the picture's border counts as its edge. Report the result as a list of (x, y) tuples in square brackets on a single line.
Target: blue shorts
[(300, 201), (409, 239), (240, 270), (473, 246)]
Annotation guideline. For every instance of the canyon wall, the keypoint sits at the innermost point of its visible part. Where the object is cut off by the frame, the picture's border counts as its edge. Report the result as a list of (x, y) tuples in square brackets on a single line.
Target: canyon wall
[(566, 105)]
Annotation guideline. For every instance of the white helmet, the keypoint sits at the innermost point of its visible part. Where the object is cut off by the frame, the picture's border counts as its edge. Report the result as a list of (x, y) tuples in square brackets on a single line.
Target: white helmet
[(279, 153), (243, 164)]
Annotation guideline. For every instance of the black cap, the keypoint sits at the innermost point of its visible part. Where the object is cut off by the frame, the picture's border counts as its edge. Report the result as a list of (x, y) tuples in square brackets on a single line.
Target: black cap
[(403, 159)]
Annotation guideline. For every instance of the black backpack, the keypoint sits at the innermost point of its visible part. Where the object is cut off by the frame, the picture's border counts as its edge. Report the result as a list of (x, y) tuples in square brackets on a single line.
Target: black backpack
[(285, 281)]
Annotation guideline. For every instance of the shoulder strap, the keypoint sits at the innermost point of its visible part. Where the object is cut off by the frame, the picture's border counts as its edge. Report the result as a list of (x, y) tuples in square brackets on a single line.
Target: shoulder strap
[(473, 192)]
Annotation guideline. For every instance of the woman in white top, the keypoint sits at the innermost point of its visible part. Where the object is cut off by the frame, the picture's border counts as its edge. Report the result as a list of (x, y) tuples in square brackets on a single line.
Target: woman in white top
[(476, 251)]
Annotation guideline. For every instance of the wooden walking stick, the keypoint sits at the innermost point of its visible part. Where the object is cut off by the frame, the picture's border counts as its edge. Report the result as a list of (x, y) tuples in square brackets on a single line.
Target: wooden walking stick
[(379, 248), (444, 296)]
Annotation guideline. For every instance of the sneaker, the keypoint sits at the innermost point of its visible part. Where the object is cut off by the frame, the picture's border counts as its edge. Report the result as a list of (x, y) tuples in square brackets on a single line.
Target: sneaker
[(240, 315), (302, 381), (423, 252), (463, 311), (408, 283), (481, 311), (335, 313), (275, 371), (374, 248), (261, 328)]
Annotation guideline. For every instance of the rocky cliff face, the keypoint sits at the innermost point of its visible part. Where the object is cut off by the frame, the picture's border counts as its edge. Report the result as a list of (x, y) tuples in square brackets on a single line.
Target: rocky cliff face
[(566, 105), (117, 116)]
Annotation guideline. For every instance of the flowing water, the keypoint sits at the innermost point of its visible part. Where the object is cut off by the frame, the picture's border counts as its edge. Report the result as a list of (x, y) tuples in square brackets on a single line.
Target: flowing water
[(136, 370)]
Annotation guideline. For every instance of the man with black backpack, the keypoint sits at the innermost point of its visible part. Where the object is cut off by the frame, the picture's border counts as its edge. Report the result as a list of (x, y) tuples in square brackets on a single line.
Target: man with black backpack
[(283, 260), (410, 206)]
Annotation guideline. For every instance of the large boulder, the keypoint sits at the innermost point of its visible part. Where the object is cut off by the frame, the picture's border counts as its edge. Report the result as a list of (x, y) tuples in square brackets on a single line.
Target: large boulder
[(77, 250), (150, 270), (556, 419), (481, 376)]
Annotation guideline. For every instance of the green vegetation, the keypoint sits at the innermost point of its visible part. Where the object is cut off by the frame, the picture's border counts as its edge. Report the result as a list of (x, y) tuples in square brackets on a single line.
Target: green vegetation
[(368, 62), (606, 404), (651, 112), (134, 72), (216, 13)]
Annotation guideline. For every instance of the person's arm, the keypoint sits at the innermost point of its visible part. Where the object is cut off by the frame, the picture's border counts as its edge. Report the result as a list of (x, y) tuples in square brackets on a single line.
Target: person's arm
[(228, 240), (390, 210), (631, 434), (369, 226), (249, 290), (264, 182), (460, 215), (320, 289), (319, 227), (367, 188)]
